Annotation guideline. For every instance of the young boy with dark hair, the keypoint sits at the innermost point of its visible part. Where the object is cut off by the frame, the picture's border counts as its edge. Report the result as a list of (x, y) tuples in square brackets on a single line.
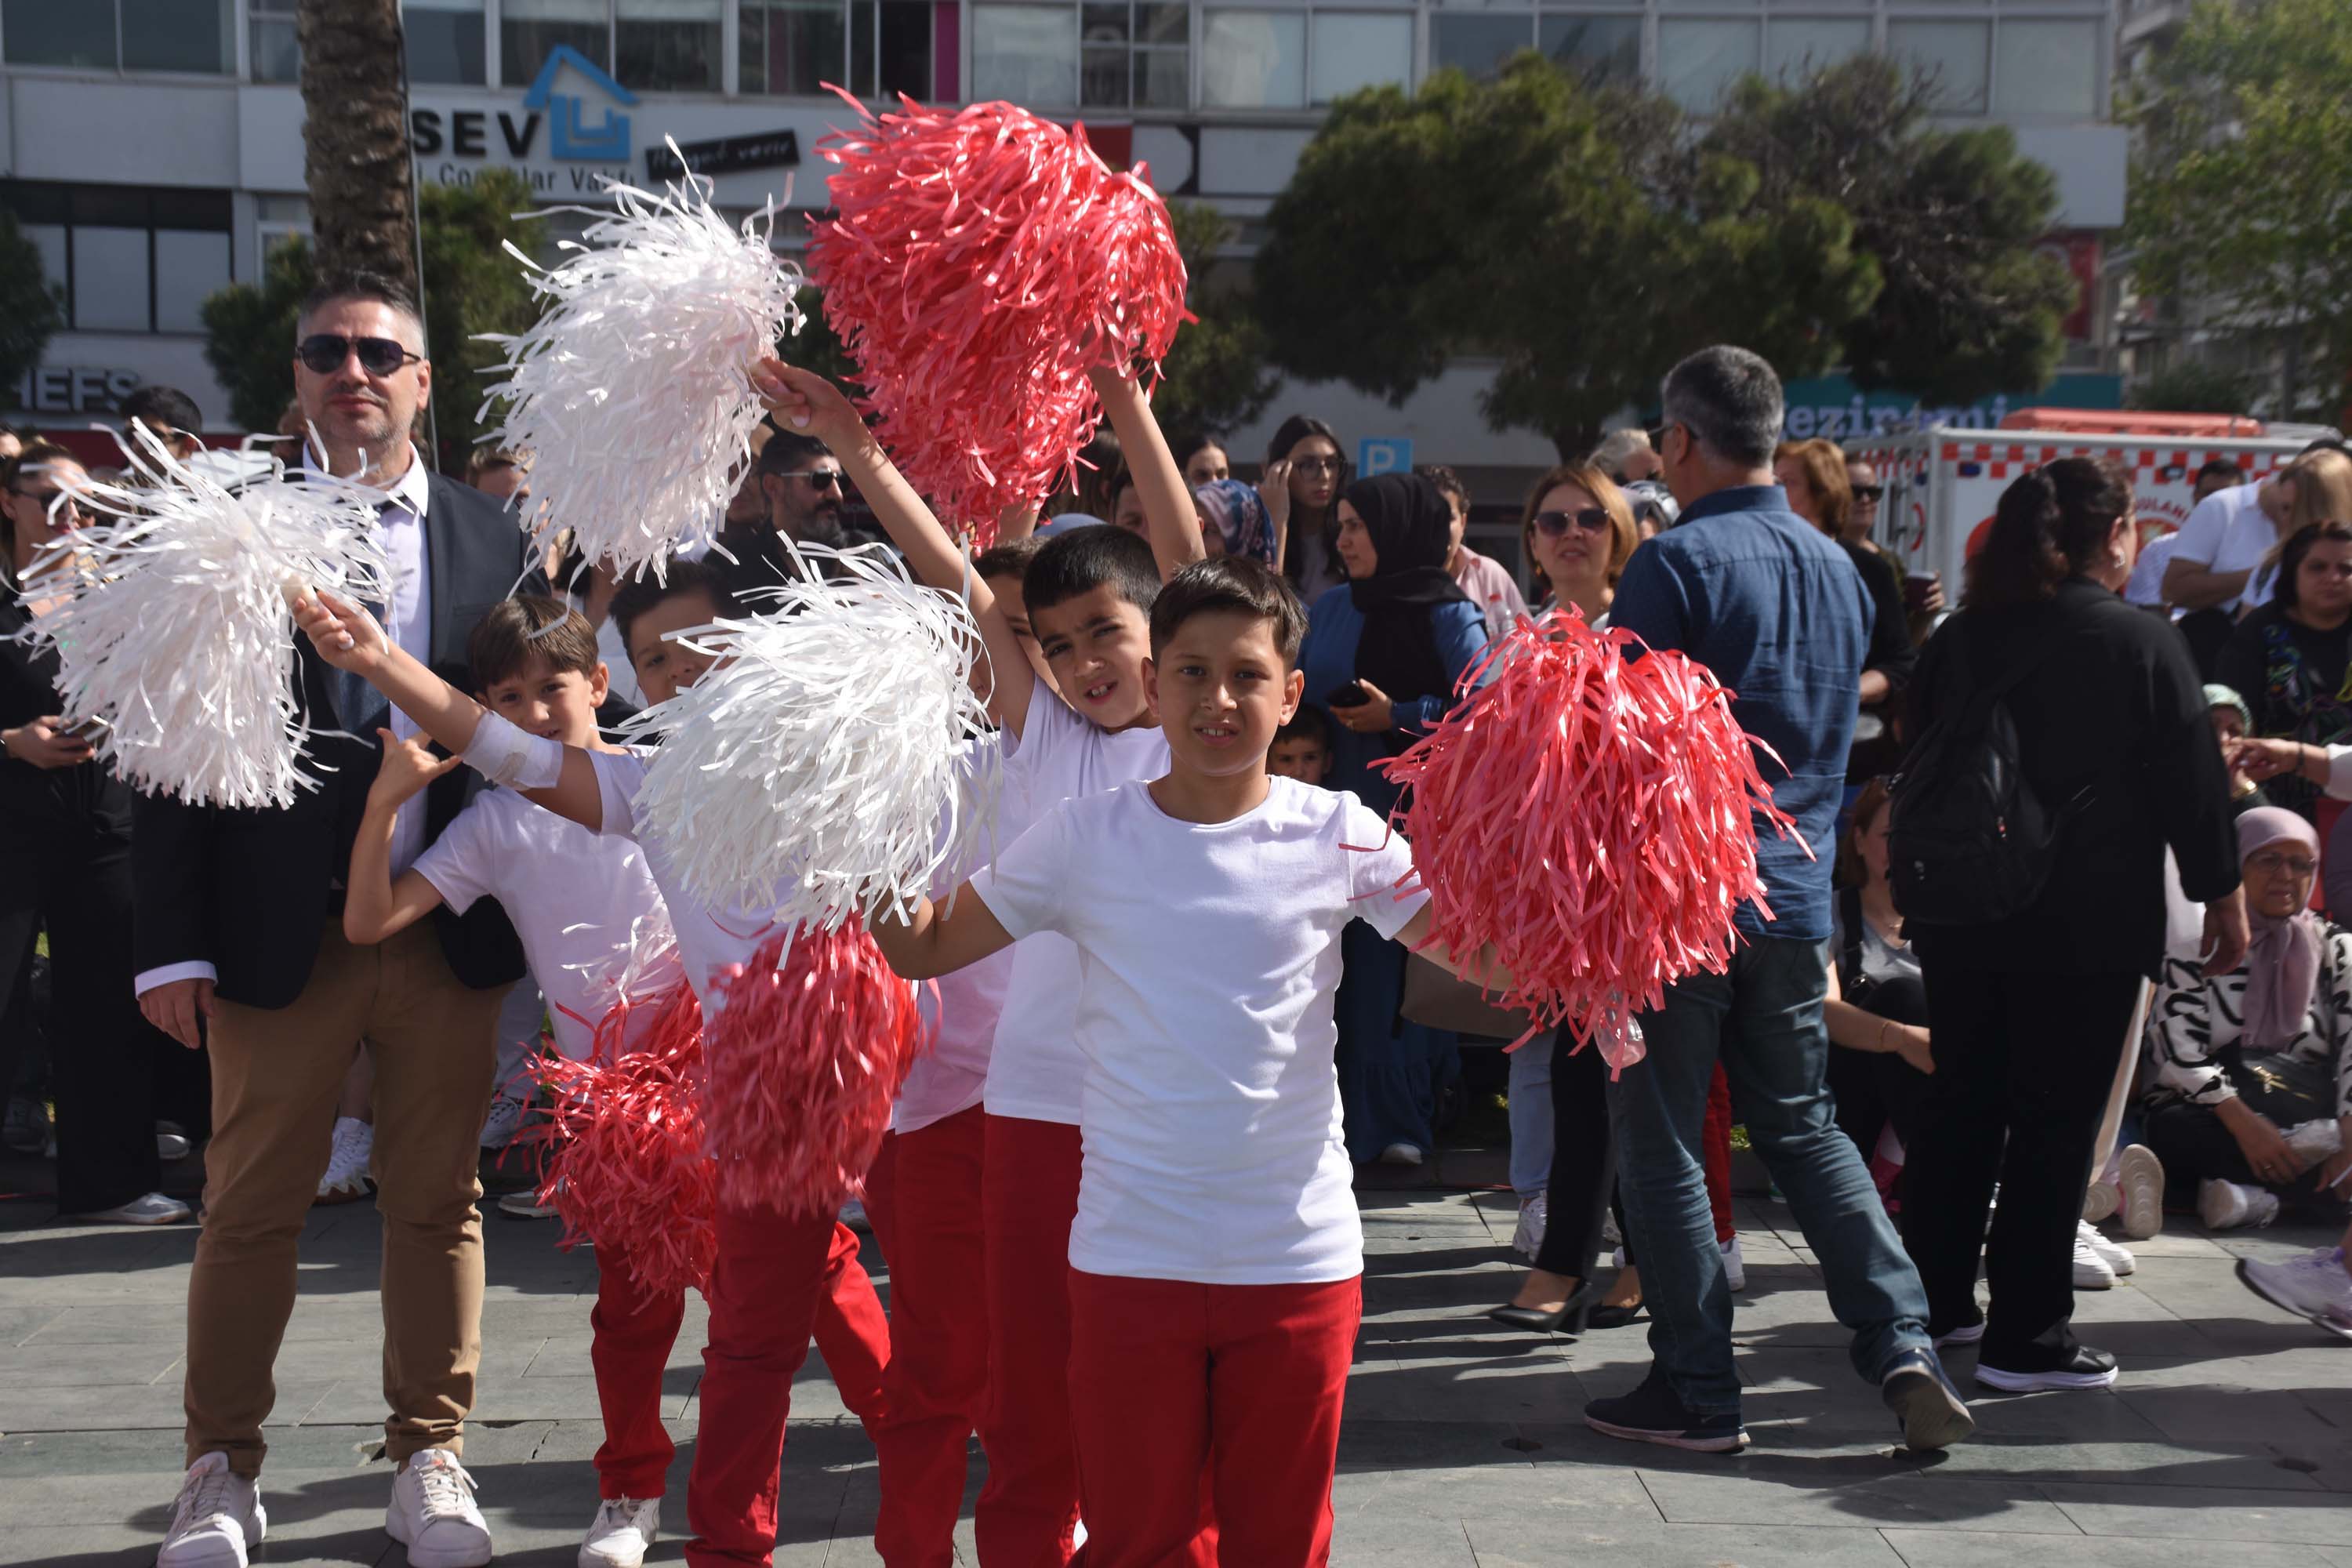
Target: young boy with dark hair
[(647, 611), (1216, 1255), (1302, 748)]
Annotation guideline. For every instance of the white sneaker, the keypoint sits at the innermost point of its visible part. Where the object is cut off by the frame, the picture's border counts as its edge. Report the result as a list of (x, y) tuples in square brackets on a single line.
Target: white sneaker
[(623, 1531), (2230, 1206), (2313, 1285), (346, 1180), (2091, 1270), (218, 1520), (852, 1214), (1527, 1237), (2100, 1200), (1965, 1334), (2118, 1260), (1401, 1154), (153, 1208), (171, 1142), (2140, 1180), (432, 1514), (525, 1205), (503, 1122), (1734, 1267)]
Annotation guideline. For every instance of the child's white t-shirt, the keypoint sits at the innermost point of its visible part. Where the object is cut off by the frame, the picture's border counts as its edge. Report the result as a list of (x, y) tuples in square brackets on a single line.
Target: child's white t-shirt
[(1036, 1067), (1209, 957), (962, 1009), (578, 900)]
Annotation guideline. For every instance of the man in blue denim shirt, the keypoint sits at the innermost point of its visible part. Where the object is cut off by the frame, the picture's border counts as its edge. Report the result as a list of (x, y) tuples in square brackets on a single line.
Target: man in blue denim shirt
[(1774, 607)]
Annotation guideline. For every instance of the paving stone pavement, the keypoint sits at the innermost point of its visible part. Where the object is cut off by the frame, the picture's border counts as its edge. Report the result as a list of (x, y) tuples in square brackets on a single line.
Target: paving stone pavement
[(2228, 1442)]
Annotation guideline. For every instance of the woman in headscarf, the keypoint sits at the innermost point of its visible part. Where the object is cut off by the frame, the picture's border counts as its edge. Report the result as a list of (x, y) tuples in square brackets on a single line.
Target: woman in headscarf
[(1236, 514), (1382, 654), (2251, 1099)]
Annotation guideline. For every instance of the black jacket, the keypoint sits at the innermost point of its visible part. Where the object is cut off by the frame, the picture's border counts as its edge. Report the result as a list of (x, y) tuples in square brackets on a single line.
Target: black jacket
[(41, 801), (2113, 717), (249, 891)]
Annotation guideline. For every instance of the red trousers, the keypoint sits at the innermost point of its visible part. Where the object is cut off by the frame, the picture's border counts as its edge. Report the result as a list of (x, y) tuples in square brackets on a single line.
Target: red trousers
[(923, 1197), (1244, 1382), (1715, 1156), (1028, 1196)]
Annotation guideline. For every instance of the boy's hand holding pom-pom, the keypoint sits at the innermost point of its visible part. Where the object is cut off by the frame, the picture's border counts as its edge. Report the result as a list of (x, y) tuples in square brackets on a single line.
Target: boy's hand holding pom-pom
[(345, 635)]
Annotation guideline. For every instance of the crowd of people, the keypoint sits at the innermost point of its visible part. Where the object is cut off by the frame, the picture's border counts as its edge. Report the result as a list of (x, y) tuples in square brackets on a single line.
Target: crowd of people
[(1116, 1200)]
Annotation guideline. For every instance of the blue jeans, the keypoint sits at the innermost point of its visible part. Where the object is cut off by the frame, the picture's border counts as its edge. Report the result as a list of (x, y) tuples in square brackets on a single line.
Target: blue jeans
[(1529, 1094), (1763, 1020)]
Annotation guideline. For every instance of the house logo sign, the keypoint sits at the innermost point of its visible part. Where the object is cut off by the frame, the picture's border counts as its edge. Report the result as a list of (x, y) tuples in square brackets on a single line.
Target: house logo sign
[(569, 135)]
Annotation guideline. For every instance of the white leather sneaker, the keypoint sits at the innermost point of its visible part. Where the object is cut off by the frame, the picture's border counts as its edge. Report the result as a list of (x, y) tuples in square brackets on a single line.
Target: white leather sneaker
[(433, 1513), (149, 1208), (348, 1159), (2091, 1270), (1734, 1267), (218, 1520), (2118, 1260), (623, 1533), (2140, 1181), (2230, 1206)]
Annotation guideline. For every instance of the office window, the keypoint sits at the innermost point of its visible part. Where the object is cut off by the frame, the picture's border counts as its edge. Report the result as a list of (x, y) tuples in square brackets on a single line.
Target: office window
[(1598, 49), (275, 55), (130, 259), (1254, 59), (667, 44), (529, 29), (789, 47), (1796, 47), (1024, 54), (190, 267), (2046, 69), (445, 40), (1952, 54), (1478, 42), (1134, 55), (177, 35), (1700, 58), (908, 48), (59, 33), (1357, 49)]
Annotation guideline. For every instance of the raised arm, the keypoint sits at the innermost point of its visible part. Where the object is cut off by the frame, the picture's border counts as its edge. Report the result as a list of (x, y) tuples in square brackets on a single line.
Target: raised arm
[(375, 904), (1158, 483), (930, 943)]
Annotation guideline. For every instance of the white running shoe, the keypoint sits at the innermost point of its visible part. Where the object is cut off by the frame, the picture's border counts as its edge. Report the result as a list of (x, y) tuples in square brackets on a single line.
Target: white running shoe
[(1401, 1154), (525, 1205), (2101, 1201), (1734, 1267), (433, 1513), (2140, 1180), (1527, 1237), (346, 1179), (151, 1208), (2312, 1285), (623, 1533), (218, 1520), (503, 1122), (2233, 1205), (2118, 1260), (1965, 1334), (2091, 1270)]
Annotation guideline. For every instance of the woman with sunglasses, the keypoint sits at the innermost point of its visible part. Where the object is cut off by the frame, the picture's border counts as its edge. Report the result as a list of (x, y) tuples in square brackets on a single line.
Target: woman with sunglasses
[(1577, 534), (64, 834), (1815, 475)]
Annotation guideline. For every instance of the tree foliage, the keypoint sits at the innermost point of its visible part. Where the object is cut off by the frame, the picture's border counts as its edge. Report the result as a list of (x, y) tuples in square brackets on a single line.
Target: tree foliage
[(2193, 388), (2242, 178), (30, 310), (1215, 376)]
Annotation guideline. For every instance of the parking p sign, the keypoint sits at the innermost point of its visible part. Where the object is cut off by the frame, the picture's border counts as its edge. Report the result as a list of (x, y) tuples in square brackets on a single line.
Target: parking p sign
[(1384, 455)]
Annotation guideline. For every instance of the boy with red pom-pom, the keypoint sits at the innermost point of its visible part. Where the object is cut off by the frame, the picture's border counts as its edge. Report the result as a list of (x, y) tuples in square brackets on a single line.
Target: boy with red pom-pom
[(1216, 1259)]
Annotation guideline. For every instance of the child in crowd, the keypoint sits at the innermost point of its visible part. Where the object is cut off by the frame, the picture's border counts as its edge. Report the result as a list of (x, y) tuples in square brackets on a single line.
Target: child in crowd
[(1302, 747), (1216, 1259), (776, 1280), (1081, 725)]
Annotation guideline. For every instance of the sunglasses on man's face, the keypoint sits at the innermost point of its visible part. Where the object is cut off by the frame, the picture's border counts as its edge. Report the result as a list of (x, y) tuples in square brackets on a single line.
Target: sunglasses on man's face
[(817, 479), (1591, 519), (323, 354), (1869, 492)]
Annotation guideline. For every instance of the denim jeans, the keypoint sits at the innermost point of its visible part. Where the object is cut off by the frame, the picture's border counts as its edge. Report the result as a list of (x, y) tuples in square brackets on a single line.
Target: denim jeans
[(1530, 1105), (1763, 1021)]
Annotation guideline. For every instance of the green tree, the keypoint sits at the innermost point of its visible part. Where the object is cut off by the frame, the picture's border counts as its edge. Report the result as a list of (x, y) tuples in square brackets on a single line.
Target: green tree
[(2242, 181), (2193, 388), (471, 286), (1215, 376), (30, 308)]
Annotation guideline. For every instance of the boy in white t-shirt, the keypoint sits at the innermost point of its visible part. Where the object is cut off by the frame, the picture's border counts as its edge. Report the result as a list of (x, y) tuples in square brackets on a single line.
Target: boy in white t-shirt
[(1216, 1257)]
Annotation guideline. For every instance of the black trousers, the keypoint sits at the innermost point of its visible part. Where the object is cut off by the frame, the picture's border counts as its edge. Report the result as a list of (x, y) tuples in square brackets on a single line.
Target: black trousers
[(1584, 1184), (2024, 1066), (1874, 1089), (2194, 1145)]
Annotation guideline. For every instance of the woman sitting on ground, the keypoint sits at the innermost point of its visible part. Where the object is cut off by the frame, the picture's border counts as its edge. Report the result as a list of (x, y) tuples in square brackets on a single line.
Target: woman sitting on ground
[(1877, 1008)]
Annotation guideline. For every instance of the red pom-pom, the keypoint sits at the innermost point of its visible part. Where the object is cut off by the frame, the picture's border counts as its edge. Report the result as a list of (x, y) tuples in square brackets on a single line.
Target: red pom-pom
[(981, 261), (804, 1062), (634, 1177), (1594, 817)]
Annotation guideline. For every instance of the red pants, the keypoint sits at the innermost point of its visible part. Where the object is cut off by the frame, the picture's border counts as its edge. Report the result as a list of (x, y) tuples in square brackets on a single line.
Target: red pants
[(776, 1282), (923, 1197), (1244, 1383), (1715, 1156), (1028, 1197)]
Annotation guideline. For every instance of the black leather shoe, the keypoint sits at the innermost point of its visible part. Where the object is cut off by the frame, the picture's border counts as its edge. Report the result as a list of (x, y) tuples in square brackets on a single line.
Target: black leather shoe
[(1605, 1317), (1571, 1318)]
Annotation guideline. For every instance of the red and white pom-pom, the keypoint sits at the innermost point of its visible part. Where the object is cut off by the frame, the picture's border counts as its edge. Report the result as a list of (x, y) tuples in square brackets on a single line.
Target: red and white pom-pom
[(634, 1177), (1594, 817), (807, 1047), (981, 261)]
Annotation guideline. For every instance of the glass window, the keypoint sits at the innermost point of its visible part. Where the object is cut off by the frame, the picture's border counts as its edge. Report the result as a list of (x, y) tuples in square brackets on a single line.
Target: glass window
[(791, 48), (1797, 46), (110, 279), (178, 36), (1598, 49), (1950, 54), (49, 239), (59, 33), (1699, 59), (2047, 69), (275, 57), (897, 35), (1024, 54), (1254, 59), (667, 44), (1164, 79), (445, 40), (529, 29), (1134, 55), (1477, 43), (189, 268), (1357, 50)]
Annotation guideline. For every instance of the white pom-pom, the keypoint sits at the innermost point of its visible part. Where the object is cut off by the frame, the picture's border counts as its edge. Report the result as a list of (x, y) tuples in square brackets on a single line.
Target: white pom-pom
[(632, 389), (178, 631), (818, 770)]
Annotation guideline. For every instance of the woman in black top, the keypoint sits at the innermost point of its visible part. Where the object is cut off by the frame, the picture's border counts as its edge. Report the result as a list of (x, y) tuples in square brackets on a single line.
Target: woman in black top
[(2028, 1013), (65, 832), (2289, 660)]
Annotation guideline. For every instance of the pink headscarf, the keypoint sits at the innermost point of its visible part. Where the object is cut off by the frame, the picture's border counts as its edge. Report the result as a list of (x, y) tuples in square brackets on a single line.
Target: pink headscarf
[(2282, 959)]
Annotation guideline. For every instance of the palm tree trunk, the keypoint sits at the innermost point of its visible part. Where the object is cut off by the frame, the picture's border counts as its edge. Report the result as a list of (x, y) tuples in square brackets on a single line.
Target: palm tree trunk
[(355, 137)]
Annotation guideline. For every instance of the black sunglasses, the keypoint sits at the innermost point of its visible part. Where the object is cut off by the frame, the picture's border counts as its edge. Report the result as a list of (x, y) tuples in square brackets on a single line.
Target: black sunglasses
[(48, 500), (1592, 519), (1868, 492), (817, 479), (325, 352)]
